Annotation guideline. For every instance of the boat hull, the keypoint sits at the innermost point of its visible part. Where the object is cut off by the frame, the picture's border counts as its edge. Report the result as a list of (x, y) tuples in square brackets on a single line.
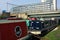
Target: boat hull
[(8, 31)]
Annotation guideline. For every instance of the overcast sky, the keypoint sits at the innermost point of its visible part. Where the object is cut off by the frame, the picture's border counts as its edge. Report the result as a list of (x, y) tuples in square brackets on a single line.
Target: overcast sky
[(3, 5)]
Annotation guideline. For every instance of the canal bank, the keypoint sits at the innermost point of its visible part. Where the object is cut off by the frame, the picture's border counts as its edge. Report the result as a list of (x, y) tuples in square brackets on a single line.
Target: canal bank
[(53, 35)]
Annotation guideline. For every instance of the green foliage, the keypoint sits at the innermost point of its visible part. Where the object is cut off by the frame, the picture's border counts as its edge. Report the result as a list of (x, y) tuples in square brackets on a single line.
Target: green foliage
[(53, 35), (1, 17)]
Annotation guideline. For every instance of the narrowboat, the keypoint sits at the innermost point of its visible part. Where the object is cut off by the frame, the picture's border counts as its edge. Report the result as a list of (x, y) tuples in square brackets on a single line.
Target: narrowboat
[(12, 29)]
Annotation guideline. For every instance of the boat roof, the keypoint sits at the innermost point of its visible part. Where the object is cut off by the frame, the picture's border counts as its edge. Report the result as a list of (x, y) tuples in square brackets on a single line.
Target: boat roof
[(10, 21)]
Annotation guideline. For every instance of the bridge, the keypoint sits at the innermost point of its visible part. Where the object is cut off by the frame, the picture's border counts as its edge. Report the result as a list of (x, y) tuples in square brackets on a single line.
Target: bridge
[(42, 12), (45, 14)]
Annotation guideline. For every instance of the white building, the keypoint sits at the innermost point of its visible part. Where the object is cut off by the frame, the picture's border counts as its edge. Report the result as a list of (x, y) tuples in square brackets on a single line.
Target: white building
[(55, 4), (45, 5), (43, 0), (51, 3), (28, 8)]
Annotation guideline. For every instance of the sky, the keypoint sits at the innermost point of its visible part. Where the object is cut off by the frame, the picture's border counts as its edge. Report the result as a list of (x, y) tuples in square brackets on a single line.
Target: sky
[(12, 3)]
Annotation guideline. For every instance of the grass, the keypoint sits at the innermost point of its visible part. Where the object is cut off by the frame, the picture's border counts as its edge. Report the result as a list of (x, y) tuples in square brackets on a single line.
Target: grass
[(53, 35)]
